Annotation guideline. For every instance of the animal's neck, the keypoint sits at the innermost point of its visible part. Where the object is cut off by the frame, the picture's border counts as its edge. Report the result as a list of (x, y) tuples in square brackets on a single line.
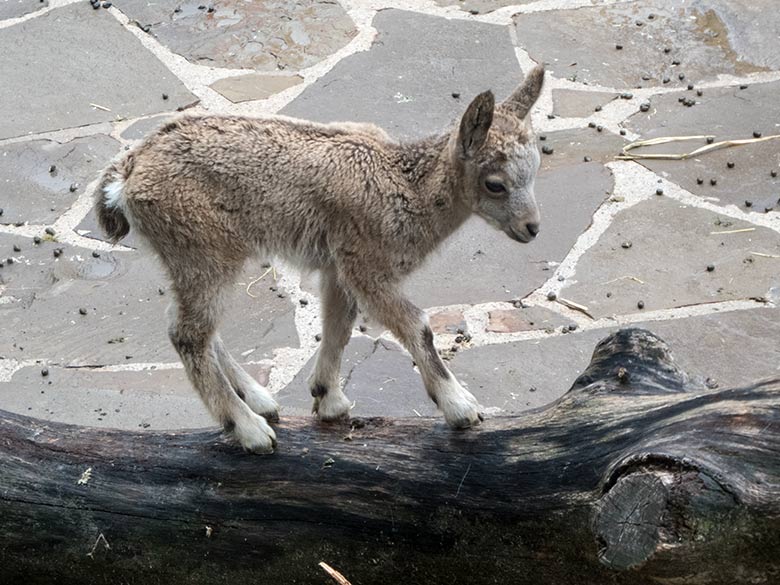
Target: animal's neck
[(430, 172)]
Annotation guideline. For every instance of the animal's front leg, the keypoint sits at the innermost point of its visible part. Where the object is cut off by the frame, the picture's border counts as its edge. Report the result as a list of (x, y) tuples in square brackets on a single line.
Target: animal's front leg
[(339, 311), (410, 325)]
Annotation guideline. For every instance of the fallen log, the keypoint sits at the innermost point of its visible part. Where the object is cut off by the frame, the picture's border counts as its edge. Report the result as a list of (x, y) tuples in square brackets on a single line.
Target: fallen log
[(636, 476)]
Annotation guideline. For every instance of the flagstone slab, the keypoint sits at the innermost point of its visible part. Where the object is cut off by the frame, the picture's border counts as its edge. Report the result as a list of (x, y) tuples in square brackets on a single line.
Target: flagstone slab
[(81, 310), (728, 113), (707, 37), (143, 127), (482, 6), (480, 264), (236, 34), (378, 376), (729, 349), (17, 8), (58, 72), (570, 103), (244, 88), (153, 399), (405, 82), (666, 255), (41, 179)]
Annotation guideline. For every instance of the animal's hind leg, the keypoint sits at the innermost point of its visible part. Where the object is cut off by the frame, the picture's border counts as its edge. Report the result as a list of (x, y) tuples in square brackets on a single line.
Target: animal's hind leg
[(247, 388), (192, 331), (339, 311)]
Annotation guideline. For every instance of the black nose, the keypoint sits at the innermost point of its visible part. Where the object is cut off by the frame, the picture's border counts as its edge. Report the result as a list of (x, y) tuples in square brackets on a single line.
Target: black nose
[(533, 228)]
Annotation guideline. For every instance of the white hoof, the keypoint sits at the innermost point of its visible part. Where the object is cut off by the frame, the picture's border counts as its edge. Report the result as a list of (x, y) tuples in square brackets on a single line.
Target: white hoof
[(461, 410), (261, 402), (334, 405), (254, 434)]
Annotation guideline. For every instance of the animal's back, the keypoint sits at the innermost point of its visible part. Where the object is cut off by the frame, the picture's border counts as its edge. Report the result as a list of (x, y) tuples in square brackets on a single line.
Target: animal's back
[(268, 183)]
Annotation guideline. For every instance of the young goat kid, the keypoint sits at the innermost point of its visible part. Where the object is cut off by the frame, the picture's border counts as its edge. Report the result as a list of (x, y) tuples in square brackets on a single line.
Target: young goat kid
[(207, 192)]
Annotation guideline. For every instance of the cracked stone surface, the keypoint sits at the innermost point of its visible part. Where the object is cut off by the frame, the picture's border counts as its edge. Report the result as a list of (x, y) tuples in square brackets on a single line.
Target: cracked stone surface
[(728, 113), (265, 36), (73, 76), (33, 191), (699, 34), (17, 8), (404, 83), (244, 88), (630, 263), (50, 81)]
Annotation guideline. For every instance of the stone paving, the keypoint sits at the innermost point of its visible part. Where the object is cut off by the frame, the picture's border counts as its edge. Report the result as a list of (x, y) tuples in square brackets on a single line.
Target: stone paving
[(689, 249)]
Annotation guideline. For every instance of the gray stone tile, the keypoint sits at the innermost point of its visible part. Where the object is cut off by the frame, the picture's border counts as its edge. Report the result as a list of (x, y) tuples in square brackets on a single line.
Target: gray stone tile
[(154, 399), (671, 246), (17, 8), (378, 377), (700, 34), (244, 88), (570, 147), (480, 264), (521, 375), (525, 319), (265, 36), (569, 103), (89, 228), (143, 127), (482, 6), (125, 320), (405, 82), (31, 193), (68, 66), (726, 113), (732, 349)]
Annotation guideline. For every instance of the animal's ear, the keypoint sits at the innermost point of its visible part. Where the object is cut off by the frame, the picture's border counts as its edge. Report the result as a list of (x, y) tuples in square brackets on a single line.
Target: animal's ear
[(475, 123), (524, 97)]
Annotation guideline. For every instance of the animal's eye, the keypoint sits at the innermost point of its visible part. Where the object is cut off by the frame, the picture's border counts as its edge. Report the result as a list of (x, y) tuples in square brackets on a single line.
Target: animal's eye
[(495, 186)]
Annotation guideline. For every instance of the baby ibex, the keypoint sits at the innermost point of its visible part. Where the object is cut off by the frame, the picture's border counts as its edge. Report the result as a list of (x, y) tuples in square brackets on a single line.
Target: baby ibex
[(207, 192)]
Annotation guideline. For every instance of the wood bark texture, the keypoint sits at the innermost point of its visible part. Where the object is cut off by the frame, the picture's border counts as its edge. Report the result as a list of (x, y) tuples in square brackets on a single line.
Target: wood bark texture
[(637, 475)]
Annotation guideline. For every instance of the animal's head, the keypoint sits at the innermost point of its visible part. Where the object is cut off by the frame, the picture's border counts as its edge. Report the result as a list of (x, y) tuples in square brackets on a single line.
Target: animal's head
[(497, 159)]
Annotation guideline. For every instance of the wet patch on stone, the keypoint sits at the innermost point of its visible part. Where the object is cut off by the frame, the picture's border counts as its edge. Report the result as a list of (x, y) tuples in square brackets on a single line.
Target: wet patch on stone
[(726, 113), (376, 374), (569, 103), (265, 36), (658, 254), (705, 36), (244, 88), (41, 179), (78, 309), (61, 79), (17, 8), (405, 83), (525, 319)]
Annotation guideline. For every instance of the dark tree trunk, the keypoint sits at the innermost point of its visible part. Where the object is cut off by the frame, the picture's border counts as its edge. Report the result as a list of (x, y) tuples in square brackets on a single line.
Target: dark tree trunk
[(635, 476)]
